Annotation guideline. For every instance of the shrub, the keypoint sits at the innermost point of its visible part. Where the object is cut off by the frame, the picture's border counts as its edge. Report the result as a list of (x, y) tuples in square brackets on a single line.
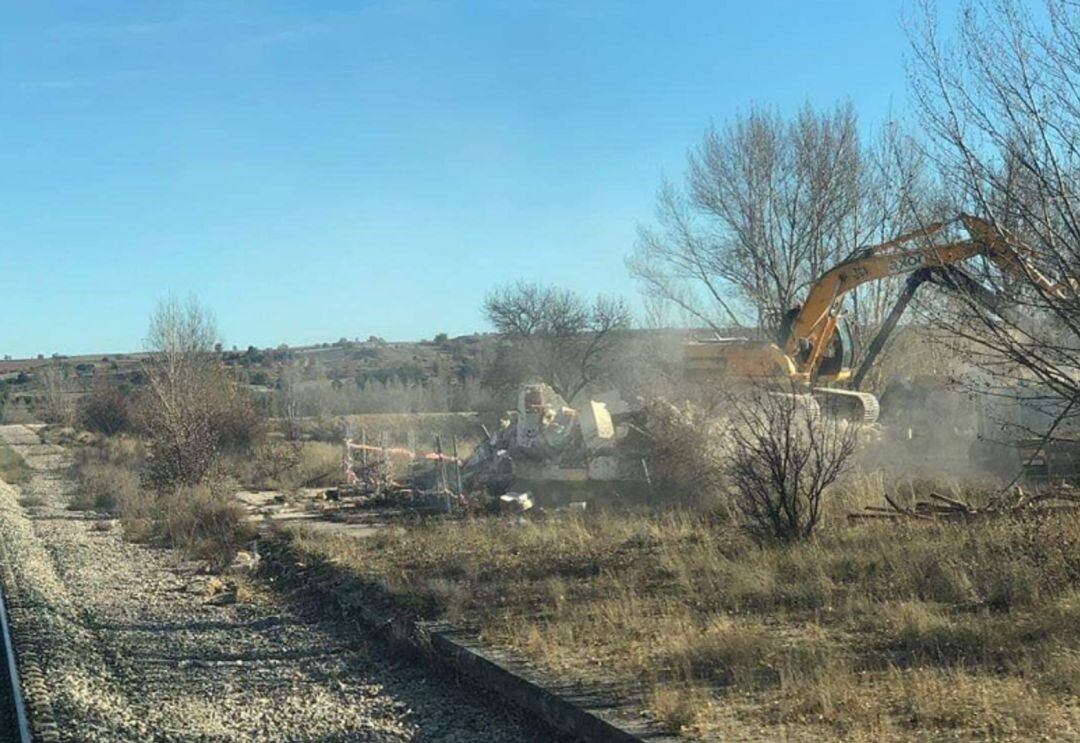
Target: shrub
[(180, 447), (13, 468), (205, 521), (290, 465), (138, 511), (235, 424), (784, 456), (678, 709), (686, 457), (217, 418), (273, 462), (106, 409), (104, 487), (55, 397)]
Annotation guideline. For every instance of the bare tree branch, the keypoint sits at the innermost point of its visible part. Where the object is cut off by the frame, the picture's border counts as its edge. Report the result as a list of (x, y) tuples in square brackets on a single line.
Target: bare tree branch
[(557, 335)]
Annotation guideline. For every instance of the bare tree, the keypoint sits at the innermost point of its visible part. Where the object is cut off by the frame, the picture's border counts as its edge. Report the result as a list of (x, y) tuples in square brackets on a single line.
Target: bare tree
[(191, 409), (556, 335), (1000, 100), (288, 401), (784, 456), (178, 370), (769, 204), (56, 396)]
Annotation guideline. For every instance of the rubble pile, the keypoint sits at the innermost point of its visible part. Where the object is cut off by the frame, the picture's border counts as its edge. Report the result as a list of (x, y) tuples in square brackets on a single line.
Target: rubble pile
[(555, 451), (543, 453)]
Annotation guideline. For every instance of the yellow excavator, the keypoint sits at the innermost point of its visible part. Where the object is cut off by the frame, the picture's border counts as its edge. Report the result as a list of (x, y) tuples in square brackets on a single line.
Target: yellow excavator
[(814, 351)]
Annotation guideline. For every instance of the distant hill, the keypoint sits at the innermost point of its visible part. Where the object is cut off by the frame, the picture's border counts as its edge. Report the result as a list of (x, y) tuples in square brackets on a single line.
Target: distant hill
[(331, 375)]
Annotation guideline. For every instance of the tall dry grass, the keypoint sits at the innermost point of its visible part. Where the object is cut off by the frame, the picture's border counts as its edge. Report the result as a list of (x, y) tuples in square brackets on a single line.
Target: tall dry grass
[(13, 468), (205, 521), (898, 630)]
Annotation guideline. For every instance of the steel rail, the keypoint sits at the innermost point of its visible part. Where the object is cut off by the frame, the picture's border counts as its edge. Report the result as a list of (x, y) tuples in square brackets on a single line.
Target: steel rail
[(13, 673)]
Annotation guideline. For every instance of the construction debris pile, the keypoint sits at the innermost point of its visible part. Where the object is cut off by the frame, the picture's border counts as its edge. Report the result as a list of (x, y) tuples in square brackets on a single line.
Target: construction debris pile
[(544, 452), (558, 453)]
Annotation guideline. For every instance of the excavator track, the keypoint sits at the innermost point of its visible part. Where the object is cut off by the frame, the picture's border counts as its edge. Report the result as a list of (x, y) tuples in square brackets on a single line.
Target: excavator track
[(858, 407)]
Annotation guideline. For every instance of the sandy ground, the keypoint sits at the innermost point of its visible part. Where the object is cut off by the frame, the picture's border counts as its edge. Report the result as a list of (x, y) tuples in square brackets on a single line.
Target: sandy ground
[(134, 648)]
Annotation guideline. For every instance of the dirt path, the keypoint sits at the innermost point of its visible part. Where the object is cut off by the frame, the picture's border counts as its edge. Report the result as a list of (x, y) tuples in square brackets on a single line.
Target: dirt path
[(132, 649)]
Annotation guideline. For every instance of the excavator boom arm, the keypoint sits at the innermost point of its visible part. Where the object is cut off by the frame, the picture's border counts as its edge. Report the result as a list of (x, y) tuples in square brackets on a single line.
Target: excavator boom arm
[(815, 323), (814, 326)]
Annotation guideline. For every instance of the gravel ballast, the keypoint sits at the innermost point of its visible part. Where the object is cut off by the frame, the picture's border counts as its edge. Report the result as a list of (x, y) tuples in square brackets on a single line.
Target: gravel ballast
[(134, 646)]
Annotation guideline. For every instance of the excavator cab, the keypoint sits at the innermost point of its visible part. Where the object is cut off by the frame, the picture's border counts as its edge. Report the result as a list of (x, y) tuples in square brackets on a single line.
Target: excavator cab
[(838, 357)]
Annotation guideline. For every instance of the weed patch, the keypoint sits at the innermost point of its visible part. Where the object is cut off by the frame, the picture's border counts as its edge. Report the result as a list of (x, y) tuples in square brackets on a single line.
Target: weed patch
[(877, 631), (13, 468)]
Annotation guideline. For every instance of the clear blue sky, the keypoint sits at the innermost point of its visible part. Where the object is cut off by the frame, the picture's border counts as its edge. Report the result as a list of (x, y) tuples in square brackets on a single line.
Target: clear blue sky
[(312, 170)]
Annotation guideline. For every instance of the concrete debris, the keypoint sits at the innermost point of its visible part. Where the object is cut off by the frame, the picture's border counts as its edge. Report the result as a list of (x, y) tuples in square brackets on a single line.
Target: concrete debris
[(614, 402), (223, 599), (553, 452), (547, 446), (542, 418), (515, 502), (597, 429), (244, 562), (219, 592), (603, 468)]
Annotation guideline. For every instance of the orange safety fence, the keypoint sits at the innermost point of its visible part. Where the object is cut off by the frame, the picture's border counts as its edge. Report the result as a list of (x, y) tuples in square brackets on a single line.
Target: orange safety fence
[(401, 452)]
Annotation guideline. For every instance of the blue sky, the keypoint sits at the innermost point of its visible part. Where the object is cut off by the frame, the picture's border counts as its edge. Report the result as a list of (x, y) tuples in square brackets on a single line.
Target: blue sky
[(324, 169)]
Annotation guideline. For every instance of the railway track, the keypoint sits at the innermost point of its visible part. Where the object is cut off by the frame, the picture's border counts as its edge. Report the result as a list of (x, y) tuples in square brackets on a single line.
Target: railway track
[(14, 726), (118, 642)]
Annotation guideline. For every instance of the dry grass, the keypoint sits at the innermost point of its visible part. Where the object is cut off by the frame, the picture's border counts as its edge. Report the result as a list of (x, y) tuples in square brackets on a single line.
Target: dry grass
[(205, 521), (280, 464), (13, 468), (103, 486), (32, 500), (892, 631), (107, 474), (289, 465), (319, 465)]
